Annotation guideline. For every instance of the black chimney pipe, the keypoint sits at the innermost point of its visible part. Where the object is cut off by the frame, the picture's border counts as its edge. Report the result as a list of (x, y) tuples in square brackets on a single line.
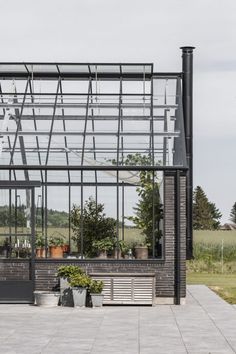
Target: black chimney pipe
[(187, 79)]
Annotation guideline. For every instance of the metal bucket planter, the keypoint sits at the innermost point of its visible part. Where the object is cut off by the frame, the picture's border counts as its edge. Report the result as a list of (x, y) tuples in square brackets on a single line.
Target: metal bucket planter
[(66, 298), (97, 300), (46, 298), (79, 296)]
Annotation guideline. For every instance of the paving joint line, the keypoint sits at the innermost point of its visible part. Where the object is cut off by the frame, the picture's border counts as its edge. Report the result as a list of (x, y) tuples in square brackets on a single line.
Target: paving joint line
[(96, 336), (176, 322), (139, 331), (207, 313)]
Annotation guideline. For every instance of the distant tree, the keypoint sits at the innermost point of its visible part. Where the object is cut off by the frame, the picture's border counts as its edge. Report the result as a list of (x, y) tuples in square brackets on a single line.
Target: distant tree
[(233, 213), (216, 216), (205, 214)]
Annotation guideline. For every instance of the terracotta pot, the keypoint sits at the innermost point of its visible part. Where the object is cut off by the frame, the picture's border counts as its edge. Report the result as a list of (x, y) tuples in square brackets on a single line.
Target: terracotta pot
[(66, 249), (56, 251), (141, 252), (43, 252), (38, 252)]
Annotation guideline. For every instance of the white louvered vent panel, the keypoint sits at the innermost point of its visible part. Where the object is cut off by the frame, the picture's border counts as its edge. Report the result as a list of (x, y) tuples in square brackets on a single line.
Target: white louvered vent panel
[(122, 289), (143, 289), (107, 290), (127, 289)]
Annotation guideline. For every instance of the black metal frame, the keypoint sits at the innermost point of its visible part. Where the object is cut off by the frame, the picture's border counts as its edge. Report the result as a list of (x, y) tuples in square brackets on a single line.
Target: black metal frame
[(21, 291), (92, 72)]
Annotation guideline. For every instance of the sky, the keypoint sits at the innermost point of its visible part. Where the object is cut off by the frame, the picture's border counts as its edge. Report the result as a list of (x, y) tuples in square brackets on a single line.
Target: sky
[(146, 31)]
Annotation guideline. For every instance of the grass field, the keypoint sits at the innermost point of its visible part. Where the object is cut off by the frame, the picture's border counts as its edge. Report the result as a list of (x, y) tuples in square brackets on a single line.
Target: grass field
[(214, 237), (223, 284), (212, 267)]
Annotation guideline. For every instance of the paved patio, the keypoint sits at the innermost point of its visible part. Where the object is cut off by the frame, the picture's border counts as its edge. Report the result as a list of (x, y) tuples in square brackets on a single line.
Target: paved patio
[(206, 324)]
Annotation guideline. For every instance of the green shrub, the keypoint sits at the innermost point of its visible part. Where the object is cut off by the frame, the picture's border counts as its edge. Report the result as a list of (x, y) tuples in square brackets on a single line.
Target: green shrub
[(68, 271), (80, 280), (56, 241), (106, 244), (96, 286)]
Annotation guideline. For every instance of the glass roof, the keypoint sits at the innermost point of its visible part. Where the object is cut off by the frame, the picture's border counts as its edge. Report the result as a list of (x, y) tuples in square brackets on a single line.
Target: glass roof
[(91, 123), (79, 68)]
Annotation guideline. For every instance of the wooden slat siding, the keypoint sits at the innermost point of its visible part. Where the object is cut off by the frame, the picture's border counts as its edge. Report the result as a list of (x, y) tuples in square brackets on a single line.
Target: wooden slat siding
[(127, 289)]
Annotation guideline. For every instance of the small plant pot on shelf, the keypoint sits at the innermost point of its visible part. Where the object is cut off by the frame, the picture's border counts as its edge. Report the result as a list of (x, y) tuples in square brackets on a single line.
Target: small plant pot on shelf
[(56, 251), (97, 300), (66, 249), (79, 296), (46, 298), (141, 252), (40, 253)]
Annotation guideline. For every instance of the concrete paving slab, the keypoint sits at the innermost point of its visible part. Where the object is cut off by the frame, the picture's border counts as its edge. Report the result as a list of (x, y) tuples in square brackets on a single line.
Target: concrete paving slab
[(206, 324)]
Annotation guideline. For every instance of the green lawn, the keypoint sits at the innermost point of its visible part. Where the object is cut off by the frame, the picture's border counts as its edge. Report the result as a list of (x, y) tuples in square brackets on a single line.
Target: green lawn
[(215, 237), (223, 284)]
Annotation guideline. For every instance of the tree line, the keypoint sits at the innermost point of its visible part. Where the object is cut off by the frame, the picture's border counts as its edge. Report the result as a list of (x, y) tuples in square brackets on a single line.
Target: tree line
[(206, 216), (55, 218)]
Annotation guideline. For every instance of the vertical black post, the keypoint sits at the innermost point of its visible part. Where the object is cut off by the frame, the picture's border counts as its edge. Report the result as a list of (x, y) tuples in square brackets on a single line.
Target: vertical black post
[(32, 261), (69, 218), (82, 217), (177, 239), (187, 77), (15, 216), (10, 217), (123, 211), (117, 214), (46, 213)]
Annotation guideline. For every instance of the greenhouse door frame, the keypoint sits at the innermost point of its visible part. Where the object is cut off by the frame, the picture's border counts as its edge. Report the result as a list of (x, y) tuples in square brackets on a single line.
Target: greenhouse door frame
[(21, 291)]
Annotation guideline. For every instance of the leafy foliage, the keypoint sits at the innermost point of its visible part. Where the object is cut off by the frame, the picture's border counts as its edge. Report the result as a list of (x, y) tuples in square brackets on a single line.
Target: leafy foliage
[(55, 218), (69, 271), (56, 240), (105, 244), (149, 209), (233, 213), (96, 286), (205, 214), (40, 240), (79, 280), (96, 226)]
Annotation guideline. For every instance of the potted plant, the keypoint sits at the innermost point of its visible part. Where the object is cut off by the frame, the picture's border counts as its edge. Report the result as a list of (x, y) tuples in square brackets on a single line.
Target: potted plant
[(121, 248), (64, 273), (56, 246), (79, 284), (95, 289), (40, 245), (103, 246), (141, 250)]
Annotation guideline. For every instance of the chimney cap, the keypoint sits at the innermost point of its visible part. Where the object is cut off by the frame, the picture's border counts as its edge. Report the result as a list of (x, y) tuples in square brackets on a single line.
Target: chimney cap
[(187, 48)]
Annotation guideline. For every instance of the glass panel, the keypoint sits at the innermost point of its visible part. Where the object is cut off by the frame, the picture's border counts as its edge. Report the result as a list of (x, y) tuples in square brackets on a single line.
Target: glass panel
[(73, 68), (40, 68), (15, 224), (13, 68)]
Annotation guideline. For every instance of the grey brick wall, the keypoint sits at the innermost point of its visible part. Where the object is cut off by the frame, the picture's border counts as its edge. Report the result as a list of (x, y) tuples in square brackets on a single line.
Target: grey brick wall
[(45, 274)]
